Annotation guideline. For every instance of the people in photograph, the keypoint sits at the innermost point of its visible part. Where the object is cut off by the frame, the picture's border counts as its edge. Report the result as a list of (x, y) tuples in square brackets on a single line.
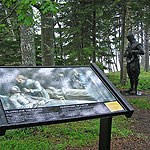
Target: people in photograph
[(19, 100), (31, 87), (56, 93), (77, 80), (70, 94)]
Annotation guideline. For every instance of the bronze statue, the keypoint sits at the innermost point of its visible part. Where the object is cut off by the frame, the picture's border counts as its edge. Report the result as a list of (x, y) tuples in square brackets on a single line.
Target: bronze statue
[(132, 54)]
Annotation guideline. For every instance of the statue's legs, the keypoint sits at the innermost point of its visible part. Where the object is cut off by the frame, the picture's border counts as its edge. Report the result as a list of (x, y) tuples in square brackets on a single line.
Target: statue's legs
[(136, 85), (131, 85), (136, 79), (133, 71), (129, 71)]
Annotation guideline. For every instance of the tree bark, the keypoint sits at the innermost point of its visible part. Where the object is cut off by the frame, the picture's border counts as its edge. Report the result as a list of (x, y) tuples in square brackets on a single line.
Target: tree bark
[(142, 42), (123, 71), (47, 39), (94, 32), (27, 46), (146, 68), (125, 29)]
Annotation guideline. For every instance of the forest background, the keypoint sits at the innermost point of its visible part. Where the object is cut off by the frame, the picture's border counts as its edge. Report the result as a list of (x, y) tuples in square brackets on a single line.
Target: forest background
[(78, 32), (72, 32)]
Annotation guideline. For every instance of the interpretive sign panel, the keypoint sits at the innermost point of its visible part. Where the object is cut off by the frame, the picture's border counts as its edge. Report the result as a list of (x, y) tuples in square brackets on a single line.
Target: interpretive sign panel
[(34, 95)]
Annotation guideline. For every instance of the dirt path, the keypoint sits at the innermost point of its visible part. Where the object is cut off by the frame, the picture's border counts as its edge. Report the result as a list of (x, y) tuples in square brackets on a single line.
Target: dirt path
[(140, 140)]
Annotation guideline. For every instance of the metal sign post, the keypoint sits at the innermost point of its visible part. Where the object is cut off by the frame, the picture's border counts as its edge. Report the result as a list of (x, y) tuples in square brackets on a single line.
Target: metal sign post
[(105, 133)]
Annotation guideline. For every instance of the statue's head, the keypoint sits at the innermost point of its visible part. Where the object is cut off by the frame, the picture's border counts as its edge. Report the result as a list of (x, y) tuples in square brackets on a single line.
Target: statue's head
[(20, 79), (130, 37)]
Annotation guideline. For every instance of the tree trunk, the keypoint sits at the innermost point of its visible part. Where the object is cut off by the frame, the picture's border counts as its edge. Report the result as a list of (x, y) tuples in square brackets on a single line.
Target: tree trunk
[(47, 39), (60, 43), (11, 26), (27, 46), (123, 71), (146, 49), (125, 29), (142, 42), (94, 32)]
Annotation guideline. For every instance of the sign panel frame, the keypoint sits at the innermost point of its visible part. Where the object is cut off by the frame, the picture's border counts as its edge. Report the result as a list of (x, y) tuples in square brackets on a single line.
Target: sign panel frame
[(77, 104)]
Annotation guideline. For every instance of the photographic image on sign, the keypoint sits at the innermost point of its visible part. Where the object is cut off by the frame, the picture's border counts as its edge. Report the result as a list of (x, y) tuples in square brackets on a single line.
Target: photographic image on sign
[(22, 88)]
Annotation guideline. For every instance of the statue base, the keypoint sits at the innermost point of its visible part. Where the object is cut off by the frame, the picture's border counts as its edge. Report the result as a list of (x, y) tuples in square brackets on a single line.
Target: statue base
[(131, 93)]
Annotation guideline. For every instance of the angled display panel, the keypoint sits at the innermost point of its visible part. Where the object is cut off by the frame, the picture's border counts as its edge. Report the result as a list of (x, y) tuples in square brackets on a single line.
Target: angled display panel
[(34, 95)]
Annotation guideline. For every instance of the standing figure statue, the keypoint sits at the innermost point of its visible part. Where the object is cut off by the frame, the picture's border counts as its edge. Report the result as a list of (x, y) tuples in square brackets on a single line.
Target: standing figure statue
[(132, 54)]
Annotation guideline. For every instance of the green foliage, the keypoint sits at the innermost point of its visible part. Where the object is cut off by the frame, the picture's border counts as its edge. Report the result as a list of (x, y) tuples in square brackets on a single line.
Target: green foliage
[(120, 127), (24, 8), (61, 136), (51, 137), (2, 26), (144, 83), (49, 6), (101, 66), (144, 78), (114, 77), (142, 103), (3, 29), (77, 30), (10, 53)]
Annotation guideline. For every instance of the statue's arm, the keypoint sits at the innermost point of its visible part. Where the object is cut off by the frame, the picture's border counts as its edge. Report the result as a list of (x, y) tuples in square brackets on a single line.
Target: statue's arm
[(139, 50)]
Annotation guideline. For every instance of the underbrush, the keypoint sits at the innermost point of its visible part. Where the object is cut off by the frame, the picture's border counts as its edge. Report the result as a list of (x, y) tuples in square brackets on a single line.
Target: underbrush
[(140, 102), (144, 78)]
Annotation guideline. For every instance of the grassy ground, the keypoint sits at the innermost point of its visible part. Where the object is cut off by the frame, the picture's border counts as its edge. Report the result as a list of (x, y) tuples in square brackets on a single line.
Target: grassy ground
[(74, 134), (144, 78), (60, 136)]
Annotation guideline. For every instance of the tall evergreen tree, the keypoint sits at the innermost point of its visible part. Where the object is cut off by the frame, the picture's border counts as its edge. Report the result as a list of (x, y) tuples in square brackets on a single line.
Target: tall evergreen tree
[(47, 39)]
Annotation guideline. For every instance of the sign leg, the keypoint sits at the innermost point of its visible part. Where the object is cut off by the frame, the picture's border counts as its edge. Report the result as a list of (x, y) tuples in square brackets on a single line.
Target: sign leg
[(2, 131), (105, 133)]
